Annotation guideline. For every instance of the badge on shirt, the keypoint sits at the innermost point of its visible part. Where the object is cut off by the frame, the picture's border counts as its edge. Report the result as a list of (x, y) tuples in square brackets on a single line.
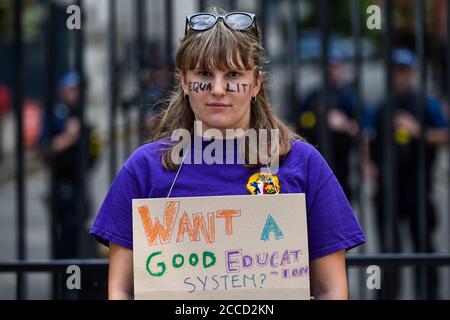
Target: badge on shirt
[(263, 183)]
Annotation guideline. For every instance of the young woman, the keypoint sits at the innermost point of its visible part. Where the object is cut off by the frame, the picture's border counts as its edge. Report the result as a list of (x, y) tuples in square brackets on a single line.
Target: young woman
[(221, 84)]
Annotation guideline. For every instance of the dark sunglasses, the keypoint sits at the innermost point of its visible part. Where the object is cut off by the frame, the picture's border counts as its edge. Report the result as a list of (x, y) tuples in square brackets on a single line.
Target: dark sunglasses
[(233, 20)]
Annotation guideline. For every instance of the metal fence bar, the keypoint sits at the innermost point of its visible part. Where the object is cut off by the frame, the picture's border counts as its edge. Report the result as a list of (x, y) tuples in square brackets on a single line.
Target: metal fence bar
[(262, 21), (81, 195), (50, 265), (140, 11), (447, 97), (358, 107), (232, 5), (448, 103), (400, 259), (113, 87), (20, 170), (50, 56), (126, 105), (325, 26), (292, 57), (421, 174), (202, 5), (388, 158), (79, 65), (168, 9), (388, 152)]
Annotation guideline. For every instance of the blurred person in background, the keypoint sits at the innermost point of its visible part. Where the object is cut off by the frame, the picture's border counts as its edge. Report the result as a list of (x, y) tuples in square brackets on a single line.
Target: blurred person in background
[(341, 118), (61, 145), (407, 131)]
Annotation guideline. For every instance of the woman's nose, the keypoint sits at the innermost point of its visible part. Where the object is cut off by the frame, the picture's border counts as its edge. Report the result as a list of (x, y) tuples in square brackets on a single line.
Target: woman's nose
[(219, 86)]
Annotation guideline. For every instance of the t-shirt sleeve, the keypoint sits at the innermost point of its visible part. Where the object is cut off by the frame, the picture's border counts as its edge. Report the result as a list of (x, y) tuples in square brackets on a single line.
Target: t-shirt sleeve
[(114, 219), (332, 224)]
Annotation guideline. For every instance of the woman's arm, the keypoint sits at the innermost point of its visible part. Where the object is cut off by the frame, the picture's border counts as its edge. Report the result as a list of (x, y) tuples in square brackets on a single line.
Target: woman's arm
[(329, 277), (120, 278)]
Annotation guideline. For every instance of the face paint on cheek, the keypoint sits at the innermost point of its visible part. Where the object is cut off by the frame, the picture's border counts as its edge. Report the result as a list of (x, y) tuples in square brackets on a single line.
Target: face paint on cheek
[(190, 86), (229, 88), (238, 87), (199, 86), (244, 85)]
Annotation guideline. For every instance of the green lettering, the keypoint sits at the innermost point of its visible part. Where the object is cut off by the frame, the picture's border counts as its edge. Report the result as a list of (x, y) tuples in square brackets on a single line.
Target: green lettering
[(193, 259), (212, 256), (175, 264), (162, 265)]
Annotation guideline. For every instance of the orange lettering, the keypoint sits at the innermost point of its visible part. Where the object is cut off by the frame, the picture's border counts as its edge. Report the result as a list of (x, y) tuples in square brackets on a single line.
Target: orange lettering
[(152, 232), (228, 215), (199, 223), (183, 227)]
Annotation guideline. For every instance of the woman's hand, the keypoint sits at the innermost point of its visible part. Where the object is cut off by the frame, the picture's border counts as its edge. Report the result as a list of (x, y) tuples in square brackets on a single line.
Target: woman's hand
[(329, 277), (120, 277)]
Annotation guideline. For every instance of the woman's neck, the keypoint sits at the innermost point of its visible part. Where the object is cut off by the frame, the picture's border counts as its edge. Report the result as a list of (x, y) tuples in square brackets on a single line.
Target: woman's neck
[(206, 132)]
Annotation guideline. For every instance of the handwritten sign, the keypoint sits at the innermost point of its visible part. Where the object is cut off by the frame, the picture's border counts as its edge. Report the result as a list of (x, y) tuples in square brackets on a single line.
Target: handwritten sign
[(227, 247)]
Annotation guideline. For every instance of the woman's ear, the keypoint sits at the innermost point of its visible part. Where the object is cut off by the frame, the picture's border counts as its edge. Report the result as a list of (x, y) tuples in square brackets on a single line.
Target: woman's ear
[(183, 83), (258, 83)]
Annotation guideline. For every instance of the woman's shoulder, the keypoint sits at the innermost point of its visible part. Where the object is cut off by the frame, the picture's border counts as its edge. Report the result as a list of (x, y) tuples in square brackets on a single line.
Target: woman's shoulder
[(301, 149), (305, 158)]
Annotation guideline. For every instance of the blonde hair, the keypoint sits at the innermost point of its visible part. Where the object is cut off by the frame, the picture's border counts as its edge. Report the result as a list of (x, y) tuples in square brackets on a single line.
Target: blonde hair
[(220, 47)]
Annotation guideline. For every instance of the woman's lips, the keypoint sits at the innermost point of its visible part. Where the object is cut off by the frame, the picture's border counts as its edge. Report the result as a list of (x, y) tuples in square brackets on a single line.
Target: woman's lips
[(218, 105)]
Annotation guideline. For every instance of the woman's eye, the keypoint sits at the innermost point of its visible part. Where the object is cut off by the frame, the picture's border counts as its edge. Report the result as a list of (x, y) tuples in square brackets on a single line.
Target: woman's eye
[(233, 74), (204, 73)]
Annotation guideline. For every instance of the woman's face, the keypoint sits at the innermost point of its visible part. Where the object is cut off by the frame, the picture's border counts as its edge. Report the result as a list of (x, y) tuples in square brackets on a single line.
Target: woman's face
[(221, 99)]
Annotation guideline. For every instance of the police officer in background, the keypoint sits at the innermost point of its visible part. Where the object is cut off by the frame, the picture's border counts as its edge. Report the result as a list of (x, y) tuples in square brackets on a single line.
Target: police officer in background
[(341, 118), (407, 131), (61, 144)]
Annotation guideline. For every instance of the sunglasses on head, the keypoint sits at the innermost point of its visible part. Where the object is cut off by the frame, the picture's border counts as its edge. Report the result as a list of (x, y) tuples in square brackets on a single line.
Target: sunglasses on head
[(233, 20)]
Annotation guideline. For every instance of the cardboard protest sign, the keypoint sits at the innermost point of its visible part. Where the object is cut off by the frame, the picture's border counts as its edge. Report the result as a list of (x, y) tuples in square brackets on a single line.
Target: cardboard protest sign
[(226, 247)]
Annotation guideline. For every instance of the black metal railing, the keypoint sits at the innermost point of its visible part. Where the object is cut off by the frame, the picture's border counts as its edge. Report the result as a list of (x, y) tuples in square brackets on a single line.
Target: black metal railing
[(100, 266)]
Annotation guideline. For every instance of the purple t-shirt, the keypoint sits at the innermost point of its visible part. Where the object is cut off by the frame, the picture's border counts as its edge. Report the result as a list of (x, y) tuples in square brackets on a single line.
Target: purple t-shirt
[(332, 225)]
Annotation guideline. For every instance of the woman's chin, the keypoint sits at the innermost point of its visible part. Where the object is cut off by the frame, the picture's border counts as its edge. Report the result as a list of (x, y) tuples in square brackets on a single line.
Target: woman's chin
[(218, 122)]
